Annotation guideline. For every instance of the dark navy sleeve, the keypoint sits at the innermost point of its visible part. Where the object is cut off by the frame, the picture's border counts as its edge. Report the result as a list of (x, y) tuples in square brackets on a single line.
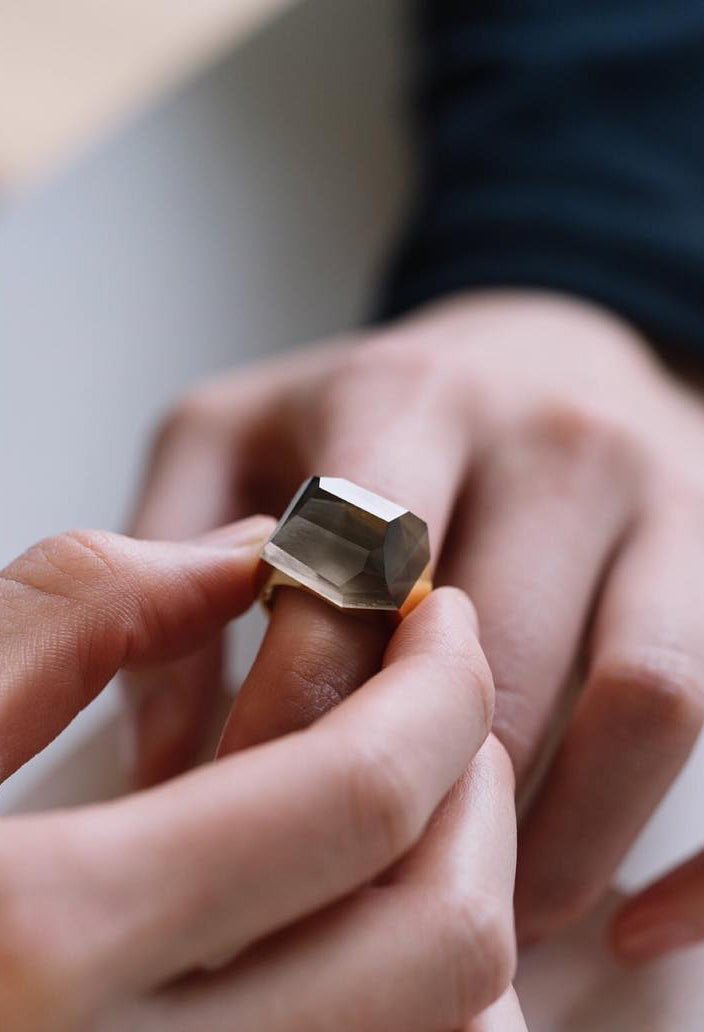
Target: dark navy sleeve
[(561, 146)]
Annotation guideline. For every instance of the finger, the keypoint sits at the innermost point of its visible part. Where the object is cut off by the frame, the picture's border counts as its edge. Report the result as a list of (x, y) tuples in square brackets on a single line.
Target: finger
[(633, 728), (538, 524), (207, 467), (189, 488), (311, 658), (202, 866), (428, 950), (666, 916), (416, 458), (224, 445), (322, 655), (503, 1016), (172, 712), (80, 606)]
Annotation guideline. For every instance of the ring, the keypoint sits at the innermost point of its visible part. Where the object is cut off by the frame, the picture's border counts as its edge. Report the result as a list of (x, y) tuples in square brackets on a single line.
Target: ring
[(350, 547)]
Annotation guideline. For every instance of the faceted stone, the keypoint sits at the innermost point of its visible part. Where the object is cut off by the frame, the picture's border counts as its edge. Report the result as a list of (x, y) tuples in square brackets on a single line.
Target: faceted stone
[(353, 547)]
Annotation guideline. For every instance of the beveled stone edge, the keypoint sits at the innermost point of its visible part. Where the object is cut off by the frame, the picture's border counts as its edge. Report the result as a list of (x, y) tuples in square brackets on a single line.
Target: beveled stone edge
[(383, 508), (312, 581)]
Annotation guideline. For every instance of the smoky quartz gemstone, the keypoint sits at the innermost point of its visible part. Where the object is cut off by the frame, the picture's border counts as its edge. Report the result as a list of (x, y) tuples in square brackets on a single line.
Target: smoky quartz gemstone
[(351, 546)]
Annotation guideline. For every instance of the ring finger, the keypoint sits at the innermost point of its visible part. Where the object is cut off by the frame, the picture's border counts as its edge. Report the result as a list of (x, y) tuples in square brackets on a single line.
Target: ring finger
[(634, 727), (312, 656), (540, 519)]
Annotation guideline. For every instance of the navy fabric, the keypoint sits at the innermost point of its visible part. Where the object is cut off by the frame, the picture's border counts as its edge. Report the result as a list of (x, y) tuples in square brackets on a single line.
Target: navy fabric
[(561, 145)]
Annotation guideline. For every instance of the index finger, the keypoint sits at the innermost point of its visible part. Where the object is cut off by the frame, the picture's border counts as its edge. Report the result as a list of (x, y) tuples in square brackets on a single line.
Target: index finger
[(77, 607)]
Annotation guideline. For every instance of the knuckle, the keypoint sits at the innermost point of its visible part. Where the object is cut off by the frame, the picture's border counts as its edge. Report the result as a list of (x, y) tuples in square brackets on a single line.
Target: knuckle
[(69, 585), (378, 376), (192, 410), (657, 696), (583, 435), (385, 816), (412, 365), (95, 550), (322, 414), (479, 951), (192, 415), (174, 423), (310, 681), (69, 565)]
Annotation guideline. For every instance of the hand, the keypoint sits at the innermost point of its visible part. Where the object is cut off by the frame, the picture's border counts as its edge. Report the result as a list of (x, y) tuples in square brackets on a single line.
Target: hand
[(559, 469), (298, 873)]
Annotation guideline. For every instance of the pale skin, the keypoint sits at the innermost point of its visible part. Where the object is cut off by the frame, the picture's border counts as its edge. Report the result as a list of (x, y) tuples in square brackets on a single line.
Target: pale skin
[(354, 875), (559, 467)]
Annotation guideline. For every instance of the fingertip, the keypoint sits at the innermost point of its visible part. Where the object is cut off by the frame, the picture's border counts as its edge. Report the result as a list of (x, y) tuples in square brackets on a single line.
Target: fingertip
[(639, 933), (462, 603), (446, 606), (631, 944), (444, 629)]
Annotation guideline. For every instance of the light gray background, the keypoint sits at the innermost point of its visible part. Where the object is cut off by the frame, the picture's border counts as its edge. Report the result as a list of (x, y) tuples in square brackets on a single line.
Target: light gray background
[(248, 213)]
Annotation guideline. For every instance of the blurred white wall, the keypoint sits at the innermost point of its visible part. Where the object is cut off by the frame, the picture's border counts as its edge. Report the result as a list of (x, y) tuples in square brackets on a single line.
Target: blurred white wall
[(248, 212)]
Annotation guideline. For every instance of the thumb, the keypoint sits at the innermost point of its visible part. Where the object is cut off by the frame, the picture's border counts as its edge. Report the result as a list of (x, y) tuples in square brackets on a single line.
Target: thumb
[(77, 607)]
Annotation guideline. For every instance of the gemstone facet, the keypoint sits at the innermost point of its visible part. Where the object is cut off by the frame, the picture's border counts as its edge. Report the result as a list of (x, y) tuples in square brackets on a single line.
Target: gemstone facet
[(351, 546)]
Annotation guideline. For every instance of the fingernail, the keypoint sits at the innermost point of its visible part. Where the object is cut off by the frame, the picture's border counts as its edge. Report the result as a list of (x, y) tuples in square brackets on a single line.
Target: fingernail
[(643, 937), (245, 532)]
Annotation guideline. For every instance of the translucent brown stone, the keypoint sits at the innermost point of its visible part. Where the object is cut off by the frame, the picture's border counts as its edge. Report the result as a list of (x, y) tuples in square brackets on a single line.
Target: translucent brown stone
[(353, 547)]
